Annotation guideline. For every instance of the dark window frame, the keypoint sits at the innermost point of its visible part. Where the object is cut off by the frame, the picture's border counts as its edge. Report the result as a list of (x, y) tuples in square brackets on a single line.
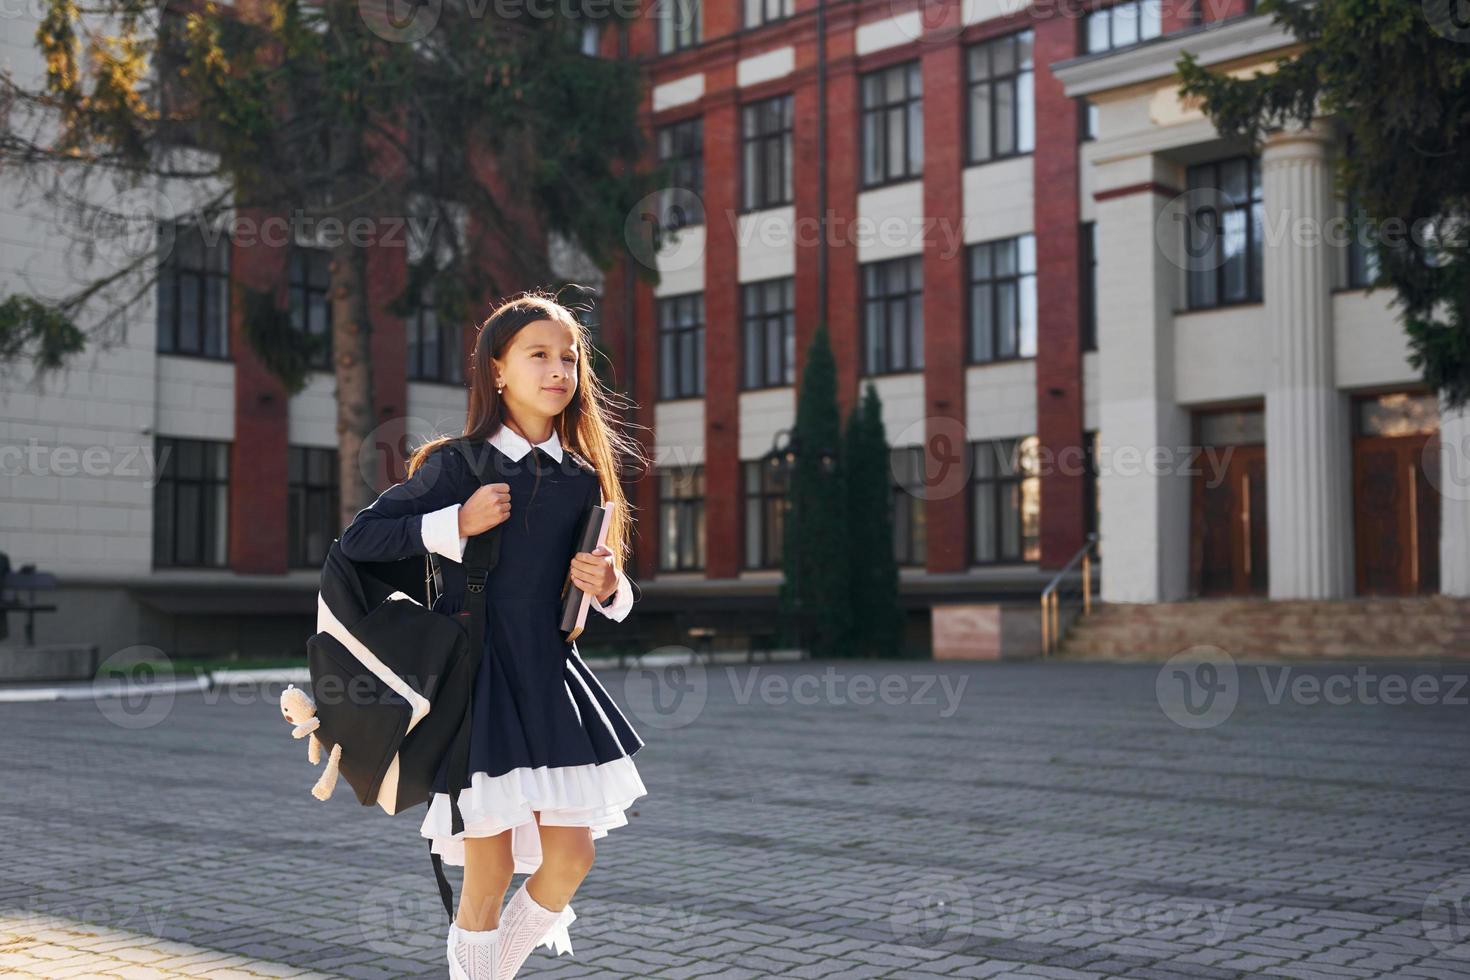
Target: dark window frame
[(1087, 291), (912, 298), (1205, 177), (999, 467), (907, 506), (1362, 260), (179, 274), (681, 150), (757, 321), (212, 517), (674, 333), (683, 489), (310, 500), (1109, 15), (788, 9), (759, 136), (1021, 280), (767, 505), (449, 343), (1020, 78), (305, 265), (671, 38), (879, 113)]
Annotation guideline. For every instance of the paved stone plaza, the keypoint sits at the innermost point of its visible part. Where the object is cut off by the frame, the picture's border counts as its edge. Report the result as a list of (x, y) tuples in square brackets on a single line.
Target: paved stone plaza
[(804, 820)]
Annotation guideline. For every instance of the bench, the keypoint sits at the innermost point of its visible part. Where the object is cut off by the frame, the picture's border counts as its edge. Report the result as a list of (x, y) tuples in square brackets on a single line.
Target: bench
[(11, 585)]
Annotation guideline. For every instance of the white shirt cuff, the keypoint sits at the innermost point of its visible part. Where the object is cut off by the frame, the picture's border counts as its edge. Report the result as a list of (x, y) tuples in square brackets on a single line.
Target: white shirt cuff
[(622, 600), (440, 531)]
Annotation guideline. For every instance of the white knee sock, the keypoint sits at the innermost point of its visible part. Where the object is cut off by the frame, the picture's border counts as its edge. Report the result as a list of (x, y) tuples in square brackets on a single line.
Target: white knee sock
[(523, 924), (475, 953)]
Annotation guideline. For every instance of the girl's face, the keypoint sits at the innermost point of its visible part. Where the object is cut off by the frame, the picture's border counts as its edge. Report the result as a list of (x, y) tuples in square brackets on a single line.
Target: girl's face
[(539, 370)]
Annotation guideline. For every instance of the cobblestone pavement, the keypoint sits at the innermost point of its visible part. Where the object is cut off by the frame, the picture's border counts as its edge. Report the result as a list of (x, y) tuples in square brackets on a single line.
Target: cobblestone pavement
[(805, 820)]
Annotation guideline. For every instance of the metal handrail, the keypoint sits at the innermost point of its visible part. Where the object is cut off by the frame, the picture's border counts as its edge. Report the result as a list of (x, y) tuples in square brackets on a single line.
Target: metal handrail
[(1051, 619)]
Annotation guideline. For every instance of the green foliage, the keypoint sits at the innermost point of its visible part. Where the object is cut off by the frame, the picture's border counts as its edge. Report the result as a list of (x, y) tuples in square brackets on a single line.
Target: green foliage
[(877, 617), (321, 110), (1396, 74), (285, 351), (37, 332), (814, 555)]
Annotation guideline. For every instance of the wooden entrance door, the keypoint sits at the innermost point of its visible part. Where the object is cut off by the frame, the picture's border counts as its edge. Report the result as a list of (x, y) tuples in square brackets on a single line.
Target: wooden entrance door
[(1229, 524), (1395, 517)]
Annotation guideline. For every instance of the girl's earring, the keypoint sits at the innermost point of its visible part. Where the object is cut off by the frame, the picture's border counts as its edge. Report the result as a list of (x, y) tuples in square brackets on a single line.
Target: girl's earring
[(500, 387)]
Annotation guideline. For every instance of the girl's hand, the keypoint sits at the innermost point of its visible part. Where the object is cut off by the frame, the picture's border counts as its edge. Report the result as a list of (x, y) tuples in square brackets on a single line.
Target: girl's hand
[(487, 507), (594, 573)]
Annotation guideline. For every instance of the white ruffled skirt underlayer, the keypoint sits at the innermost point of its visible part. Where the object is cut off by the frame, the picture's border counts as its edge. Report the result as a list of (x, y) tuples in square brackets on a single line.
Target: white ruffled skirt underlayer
[(595, 795)]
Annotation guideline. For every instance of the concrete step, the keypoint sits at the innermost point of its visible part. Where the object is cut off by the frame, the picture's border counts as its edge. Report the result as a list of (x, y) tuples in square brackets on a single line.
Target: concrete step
[(1427, 626)]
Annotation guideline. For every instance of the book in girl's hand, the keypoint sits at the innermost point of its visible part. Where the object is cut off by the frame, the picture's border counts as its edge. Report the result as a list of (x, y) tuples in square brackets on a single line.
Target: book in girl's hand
[(575, 602)]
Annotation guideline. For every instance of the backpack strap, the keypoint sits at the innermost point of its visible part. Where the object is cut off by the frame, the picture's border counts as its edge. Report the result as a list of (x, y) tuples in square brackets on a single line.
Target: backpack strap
[(481, 554)]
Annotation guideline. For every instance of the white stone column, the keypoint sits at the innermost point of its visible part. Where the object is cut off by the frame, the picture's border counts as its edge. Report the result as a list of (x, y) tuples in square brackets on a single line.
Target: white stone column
[(1308, 443), (1453, 484), (1143, 484)]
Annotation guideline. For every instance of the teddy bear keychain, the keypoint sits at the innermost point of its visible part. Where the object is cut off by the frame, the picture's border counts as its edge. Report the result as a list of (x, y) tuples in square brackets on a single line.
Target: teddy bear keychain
[(300, 710)]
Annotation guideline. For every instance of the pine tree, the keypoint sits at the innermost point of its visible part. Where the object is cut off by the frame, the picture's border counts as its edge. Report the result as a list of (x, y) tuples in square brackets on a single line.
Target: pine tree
[(816, 585), (876, 615)]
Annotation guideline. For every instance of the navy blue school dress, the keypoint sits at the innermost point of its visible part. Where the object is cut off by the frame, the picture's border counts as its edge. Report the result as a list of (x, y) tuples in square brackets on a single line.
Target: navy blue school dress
[(546, 736)]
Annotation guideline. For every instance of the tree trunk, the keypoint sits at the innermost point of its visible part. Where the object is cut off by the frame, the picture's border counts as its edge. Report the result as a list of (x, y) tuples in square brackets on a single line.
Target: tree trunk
[(358, 467)]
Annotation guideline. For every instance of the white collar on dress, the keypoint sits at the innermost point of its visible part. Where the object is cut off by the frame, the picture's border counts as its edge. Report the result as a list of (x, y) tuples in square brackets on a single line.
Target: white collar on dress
[(515, 445)]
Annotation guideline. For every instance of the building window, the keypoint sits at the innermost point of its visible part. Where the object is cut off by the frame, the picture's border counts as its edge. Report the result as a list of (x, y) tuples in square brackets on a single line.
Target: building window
[(1087, 294), (893, 315), (681, 346), (1123, 24), (1003, 299), (765, 139), (1087, 119), (1402, 413), (681, 518), (1005, 501), (768, 312), (193, 292), (893, 124), (1362, 260), (1002, 113), (586, 38), (311, 307), (758, 12), (678, 25), (435, 348), (1091, 513), (588, 310), (1224, 233), (766, 504), (311, 504), (681, 150), (910, 539), (191, 504)]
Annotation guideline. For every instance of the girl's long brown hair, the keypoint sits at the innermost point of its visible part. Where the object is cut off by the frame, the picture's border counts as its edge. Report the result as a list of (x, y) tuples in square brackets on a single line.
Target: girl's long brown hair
[(583, 426)]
